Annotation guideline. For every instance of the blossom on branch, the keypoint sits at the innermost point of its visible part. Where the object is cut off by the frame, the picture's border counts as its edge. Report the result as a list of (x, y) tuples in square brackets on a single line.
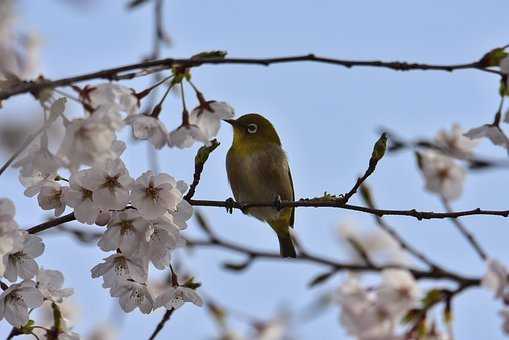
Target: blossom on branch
[(442, 174), (16, 300)]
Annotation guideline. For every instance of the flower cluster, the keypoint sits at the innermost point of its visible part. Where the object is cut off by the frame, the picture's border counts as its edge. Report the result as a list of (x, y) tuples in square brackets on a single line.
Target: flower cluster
[(375, 313), (31, 284), (142, 216)]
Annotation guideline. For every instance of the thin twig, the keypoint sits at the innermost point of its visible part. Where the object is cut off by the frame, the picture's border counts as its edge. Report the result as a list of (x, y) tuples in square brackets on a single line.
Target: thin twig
[(378, 152), (51, 223), (113, 73), (161, 323), (368, 198), (464, 231), (22, 148)]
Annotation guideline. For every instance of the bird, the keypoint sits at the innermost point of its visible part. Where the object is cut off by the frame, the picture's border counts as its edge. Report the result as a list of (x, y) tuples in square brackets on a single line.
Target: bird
[(258, 171)]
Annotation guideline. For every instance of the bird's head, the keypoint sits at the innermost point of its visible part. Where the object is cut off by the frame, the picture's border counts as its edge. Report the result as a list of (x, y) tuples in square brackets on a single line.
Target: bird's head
[(251, 129)]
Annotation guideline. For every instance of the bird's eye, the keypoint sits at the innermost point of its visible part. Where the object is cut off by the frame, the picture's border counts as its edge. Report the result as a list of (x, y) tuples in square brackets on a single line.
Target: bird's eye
[(252, 128)]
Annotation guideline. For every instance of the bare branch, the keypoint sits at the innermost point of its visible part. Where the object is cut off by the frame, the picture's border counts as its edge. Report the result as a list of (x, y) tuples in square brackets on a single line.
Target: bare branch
[(116, 72)]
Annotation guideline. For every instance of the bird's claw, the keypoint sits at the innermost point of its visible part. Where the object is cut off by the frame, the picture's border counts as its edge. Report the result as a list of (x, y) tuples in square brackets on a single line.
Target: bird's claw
[(277, 203), (230, 204)]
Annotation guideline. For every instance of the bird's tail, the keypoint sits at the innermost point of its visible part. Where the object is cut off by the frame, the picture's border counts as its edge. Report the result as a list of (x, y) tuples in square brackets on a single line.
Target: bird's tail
[(286, 247)]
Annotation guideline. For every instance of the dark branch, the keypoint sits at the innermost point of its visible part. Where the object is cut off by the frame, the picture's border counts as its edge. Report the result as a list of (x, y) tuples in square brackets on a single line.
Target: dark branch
[(252, 254), (467, 234), (367, 196), (51, 223), (114, 73), (161, 323)]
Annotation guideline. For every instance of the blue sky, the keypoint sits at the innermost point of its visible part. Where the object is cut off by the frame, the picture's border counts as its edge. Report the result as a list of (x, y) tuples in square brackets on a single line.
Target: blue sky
[(327, 118)]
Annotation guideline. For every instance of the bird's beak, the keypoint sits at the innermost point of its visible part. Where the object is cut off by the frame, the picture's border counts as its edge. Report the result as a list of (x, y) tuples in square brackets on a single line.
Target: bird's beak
[(232, 122)]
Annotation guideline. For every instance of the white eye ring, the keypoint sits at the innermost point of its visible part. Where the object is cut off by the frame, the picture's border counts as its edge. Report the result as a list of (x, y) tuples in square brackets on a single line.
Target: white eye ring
[(252, 128)]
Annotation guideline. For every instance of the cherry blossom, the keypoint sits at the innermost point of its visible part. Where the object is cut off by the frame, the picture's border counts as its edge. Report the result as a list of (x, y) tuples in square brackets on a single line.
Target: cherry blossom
[(109, 184), (38, 168), (492, 132), (112, 97), (50, 282), (125, 231), (81, 198), (150, 128), (86, 141), (51, 196), (203, 125), (455, 142), (398, 291), (175, 297), (133, 295), (496, 277), (442, 174), (20, 262), (153, 194), (162, 237), (16, 300), (118, 268)]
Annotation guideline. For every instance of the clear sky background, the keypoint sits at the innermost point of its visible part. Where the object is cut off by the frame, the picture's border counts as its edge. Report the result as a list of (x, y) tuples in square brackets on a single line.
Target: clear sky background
[(327, 118)]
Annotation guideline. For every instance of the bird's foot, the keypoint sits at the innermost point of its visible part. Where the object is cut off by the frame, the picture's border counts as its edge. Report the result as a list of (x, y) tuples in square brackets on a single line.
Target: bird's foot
[(277, 203), (230, 204)]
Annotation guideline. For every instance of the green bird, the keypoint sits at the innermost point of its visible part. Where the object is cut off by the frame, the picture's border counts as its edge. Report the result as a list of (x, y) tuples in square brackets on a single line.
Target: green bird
[(258, 171)]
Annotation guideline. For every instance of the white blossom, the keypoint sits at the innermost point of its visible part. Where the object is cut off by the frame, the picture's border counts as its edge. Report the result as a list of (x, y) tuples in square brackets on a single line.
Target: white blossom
[(398, 291), (7, 209), (185, 136), (443, 175), (203, 125), (16, 300), (496, 277), (113, 97), (175, 297), (162, 237), (118, 268), (110, 184), (153, 195), (361, 316), (133, 294), (20, 262), (87, 141), (38, 168), (492, 132), (81, 198), (150, 128), (125, 231), (50, 282), (455, 143), (51, 196)]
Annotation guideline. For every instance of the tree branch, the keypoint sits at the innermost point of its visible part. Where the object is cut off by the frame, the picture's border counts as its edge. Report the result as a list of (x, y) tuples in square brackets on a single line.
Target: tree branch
[(252, 254), (161, 323), (467, 234), (116, 72), (367, 196)]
